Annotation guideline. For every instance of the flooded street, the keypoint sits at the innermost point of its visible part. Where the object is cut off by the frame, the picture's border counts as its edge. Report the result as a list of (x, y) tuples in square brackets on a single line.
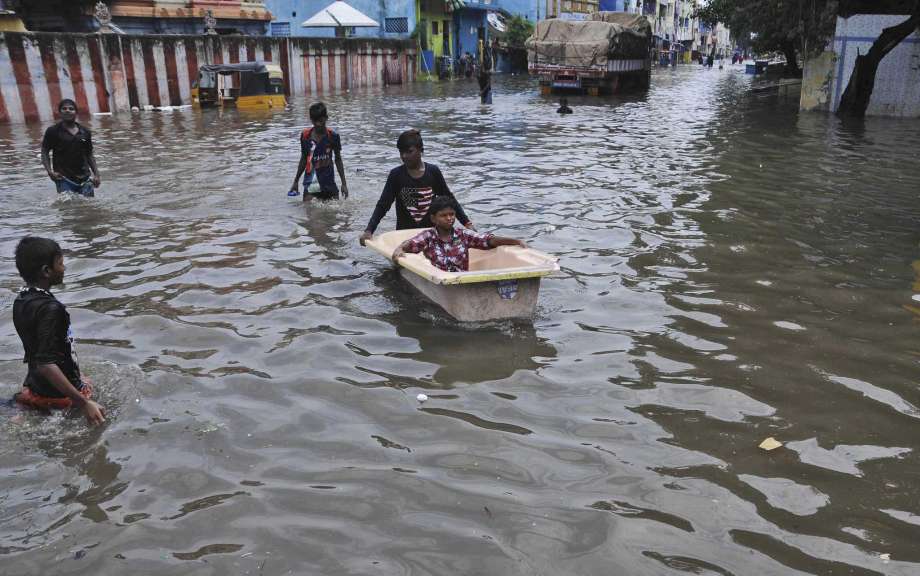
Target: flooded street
[(731, 271)]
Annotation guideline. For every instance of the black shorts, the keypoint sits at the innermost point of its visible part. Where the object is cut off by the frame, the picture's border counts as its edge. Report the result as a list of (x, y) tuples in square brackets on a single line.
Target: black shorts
[(327, 193)]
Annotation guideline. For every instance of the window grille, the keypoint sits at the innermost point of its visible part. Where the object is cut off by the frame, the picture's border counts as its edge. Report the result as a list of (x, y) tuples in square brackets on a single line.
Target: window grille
[(280, 28), (396, 25)]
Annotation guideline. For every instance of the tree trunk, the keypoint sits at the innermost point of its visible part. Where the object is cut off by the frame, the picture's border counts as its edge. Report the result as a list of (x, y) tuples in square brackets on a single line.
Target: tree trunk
[(792, 69), (856, 97)]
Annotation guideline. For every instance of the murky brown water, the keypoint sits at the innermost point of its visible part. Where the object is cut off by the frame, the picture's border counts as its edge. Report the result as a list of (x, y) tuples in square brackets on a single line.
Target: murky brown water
[(731, 271)]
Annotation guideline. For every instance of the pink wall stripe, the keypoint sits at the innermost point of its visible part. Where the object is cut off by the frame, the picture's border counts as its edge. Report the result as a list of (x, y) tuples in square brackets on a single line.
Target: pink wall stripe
[(114, 73)]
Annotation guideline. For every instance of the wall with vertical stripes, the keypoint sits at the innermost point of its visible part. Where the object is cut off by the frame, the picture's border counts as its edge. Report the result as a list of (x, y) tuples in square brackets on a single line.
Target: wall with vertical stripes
[(112, 73)]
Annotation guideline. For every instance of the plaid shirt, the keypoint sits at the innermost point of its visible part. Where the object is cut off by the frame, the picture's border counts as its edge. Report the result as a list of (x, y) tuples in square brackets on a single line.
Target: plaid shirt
[(453, 255)]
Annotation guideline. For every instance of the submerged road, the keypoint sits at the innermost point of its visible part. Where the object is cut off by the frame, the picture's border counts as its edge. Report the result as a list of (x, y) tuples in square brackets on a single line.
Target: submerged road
[(731, 271)]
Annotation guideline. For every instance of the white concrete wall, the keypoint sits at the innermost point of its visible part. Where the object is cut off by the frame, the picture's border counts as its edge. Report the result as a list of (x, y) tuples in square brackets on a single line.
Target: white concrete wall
[(897, 85)]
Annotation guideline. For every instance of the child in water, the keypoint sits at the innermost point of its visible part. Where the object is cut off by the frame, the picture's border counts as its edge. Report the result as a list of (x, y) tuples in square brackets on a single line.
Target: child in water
[(43, 325), (319, 148), (563, 106), (445, 246)]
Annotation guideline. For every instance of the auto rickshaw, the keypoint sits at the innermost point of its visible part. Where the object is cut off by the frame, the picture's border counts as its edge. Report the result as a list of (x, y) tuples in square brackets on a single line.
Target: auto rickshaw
[(247, 85)]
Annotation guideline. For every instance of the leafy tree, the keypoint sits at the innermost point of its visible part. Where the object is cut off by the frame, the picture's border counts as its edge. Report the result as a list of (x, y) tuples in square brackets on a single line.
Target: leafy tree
[(797, 27), (793, 27), (519, 30)]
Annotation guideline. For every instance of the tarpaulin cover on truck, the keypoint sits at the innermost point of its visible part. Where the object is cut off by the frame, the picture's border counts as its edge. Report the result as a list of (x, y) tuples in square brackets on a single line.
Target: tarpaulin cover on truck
[(589, 43)]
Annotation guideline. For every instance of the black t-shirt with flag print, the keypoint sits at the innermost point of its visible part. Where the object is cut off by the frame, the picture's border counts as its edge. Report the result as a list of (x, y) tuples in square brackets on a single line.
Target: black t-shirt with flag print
[(412, 197)]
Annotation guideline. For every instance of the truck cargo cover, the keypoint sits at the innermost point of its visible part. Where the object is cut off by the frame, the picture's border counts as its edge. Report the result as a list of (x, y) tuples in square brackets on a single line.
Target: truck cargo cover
[(589, 43)]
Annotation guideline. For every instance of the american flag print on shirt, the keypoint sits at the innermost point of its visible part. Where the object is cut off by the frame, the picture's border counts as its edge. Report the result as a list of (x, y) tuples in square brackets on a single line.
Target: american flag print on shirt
[(416, 201)]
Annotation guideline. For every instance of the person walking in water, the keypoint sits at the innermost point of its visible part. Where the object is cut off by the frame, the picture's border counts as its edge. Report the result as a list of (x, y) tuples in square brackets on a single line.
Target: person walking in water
[(319, 146), (43, 324), (485, 74), (413, 186), (67, 153)]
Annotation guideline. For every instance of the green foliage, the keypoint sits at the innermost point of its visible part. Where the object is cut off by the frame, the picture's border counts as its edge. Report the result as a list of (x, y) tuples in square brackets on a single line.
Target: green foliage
[(519, 30), (767, 25)]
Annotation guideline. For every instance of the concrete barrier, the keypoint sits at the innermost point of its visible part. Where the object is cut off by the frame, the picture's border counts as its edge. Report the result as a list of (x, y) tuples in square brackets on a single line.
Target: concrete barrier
[(112, 73)]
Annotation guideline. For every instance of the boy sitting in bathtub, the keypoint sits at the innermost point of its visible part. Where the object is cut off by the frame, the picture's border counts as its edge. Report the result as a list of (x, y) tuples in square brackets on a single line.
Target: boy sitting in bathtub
[(445, 246)]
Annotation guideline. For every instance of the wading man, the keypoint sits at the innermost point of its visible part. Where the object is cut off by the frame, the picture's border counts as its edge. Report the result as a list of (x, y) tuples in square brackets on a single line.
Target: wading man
[(485, 74), (67, 153)]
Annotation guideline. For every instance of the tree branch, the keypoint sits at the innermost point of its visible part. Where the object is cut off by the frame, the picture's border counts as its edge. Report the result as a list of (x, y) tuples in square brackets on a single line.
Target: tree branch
[(891, 37), (856, 96)]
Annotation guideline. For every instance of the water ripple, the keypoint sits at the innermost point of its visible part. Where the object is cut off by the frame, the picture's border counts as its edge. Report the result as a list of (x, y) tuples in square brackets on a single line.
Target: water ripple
[(731, 270)]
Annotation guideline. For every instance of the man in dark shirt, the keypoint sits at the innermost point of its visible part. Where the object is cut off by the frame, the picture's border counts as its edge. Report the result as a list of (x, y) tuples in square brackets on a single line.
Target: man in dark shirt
[(43, 325), (485, 73), (73, 167), (411, 186)]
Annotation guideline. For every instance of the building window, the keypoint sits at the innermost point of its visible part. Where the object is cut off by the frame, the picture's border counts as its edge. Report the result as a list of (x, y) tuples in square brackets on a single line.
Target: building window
[(434, 26), (280, 28), (580, 6), (396, 25)]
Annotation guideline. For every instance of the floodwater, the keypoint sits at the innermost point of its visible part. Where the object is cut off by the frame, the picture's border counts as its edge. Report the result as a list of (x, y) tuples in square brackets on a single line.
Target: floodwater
[(731, 271)]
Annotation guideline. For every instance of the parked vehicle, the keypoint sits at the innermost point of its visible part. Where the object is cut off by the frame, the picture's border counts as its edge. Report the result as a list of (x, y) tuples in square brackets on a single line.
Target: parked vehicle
[(607, 54), (247, 85)]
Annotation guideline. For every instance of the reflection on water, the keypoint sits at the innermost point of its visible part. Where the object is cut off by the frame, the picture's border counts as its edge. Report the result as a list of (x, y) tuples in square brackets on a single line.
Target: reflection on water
[(62, 468), (459, 352), (731, 270)]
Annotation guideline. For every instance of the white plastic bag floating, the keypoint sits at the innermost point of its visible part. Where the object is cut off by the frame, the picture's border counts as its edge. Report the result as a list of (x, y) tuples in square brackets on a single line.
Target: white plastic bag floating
[(770, 444)]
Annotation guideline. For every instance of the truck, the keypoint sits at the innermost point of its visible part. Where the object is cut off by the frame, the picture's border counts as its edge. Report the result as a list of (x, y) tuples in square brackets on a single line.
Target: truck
[(606, 54)]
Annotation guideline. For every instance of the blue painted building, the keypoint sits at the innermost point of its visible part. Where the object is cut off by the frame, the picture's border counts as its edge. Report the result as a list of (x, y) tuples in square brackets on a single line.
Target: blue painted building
[(443, 30), (612, 5), (472, 23), (397, 18)]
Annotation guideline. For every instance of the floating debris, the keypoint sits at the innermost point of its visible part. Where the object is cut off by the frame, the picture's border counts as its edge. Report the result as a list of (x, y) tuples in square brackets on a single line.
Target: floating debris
[(770, 444)]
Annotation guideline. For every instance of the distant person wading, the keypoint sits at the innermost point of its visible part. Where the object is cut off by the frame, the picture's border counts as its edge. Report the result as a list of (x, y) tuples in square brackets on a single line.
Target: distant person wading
[(485, 74)]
